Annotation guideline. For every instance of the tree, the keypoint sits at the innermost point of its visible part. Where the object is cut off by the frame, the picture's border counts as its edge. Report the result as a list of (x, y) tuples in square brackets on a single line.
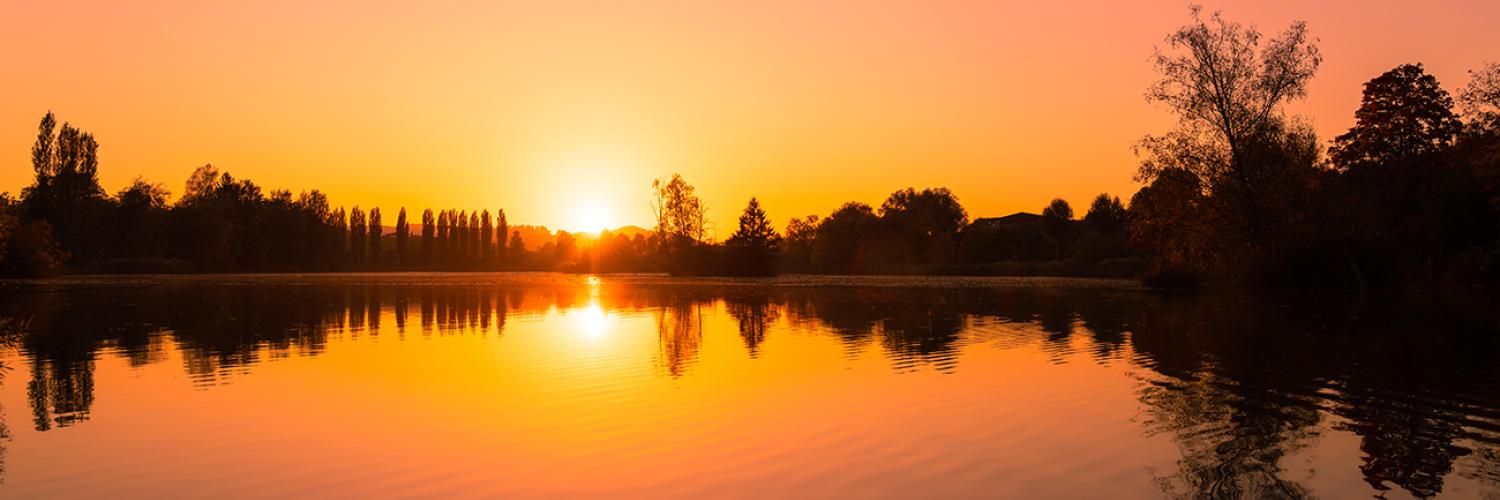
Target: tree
[(200, 184), (517, 245), (460, 239), (843, 238), (357, 231), (403, 233), (752, 247), (27, 249), (66, 192), (486, 238), (502, 228), (428, 233), (1404, 114), (1227, 92), (377, 230), (1481, 98), (340, 234), (680, 214), (1057, 225), (1165, 220), (1106, 215), (139, 220), (443, 226), (925, 224), (797, 246), (471, 248)]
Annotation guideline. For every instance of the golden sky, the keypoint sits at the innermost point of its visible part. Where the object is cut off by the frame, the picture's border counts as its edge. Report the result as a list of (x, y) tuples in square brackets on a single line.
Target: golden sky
[(556, 109)]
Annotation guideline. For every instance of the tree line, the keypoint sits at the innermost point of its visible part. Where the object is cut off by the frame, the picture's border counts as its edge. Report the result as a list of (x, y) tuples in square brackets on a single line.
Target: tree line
[(220, 224), (1240, 192)]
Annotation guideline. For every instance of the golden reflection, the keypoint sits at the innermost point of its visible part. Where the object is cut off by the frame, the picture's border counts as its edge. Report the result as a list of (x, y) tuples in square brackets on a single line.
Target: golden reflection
[(591, 320)]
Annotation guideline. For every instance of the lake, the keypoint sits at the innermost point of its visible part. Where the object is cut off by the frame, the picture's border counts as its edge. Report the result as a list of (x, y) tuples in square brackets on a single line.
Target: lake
[(549, 385)]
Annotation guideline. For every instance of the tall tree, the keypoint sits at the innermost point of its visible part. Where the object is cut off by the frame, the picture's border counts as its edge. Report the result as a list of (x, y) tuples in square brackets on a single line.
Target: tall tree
[(403, 233), (357, 231), (377, 230), (461, 239), (429, 232), (502, 228), (444, 224), (680, 214), (1404, 114), (66, 191), (752, 247), (340, 225), (1228, 91), (472, 248), (486, 238)]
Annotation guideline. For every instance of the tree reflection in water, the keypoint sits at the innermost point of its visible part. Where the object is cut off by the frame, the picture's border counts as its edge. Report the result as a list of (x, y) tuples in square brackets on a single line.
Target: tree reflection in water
[(1239, 382)]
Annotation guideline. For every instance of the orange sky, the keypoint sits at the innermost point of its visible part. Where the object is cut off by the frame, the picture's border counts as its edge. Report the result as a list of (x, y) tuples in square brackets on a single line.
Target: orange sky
[(550, 109)]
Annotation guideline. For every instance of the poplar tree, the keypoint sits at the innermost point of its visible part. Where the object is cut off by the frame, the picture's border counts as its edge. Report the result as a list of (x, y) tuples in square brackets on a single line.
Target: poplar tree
[(402, 234)]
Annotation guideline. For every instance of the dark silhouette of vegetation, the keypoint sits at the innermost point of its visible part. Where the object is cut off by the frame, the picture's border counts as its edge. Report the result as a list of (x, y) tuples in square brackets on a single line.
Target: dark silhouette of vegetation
[(403, 233), (1404, 114), (752, 249)]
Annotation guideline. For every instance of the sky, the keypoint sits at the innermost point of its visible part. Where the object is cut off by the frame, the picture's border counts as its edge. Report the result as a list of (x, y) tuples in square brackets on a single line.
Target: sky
[(562, 112)]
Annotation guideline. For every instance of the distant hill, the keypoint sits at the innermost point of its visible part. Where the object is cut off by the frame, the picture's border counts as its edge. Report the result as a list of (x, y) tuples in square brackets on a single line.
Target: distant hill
[(630, 231)]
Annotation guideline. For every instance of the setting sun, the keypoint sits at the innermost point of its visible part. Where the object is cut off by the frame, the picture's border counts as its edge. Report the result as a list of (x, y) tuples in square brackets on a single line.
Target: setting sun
[(590, 216)]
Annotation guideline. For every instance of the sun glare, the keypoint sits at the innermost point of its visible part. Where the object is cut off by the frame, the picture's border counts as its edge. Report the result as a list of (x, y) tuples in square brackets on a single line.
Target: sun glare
[(591, 216)]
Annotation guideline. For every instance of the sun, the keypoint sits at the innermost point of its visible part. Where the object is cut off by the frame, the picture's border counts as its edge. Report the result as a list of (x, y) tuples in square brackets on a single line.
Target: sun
[(591, 216)]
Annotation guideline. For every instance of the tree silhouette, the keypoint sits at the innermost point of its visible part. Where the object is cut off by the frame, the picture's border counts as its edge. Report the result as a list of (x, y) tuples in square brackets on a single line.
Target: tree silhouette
[(1404, 114), (139, 220), (472, 248), (461, 239), (1057, 224), (1106, 215), (357, 232), (340, 234), (486, 238), (797, 246), (429, 232), (65, 192), (924, 224), (679, 212), (376, 232), (842, 238), (1227, 91), (443, 226), (752, 247), (403, 233), (502, 229), (1481, 98), (517, 246)]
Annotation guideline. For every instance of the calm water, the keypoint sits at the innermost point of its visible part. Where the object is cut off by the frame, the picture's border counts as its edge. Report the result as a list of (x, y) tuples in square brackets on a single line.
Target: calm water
[(548, 385)]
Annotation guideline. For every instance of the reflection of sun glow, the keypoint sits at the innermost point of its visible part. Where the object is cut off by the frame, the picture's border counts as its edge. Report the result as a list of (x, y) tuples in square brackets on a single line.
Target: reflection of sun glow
[(592, 321)]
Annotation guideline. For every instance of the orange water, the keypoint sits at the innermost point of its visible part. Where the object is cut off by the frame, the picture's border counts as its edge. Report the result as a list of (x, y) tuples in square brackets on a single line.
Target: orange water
[(559, 386)]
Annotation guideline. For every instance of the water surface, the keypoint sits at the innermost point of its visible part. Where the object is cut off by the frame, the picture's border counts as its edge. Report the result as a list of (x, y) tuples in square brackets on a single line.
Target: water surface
[(491, 385)]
